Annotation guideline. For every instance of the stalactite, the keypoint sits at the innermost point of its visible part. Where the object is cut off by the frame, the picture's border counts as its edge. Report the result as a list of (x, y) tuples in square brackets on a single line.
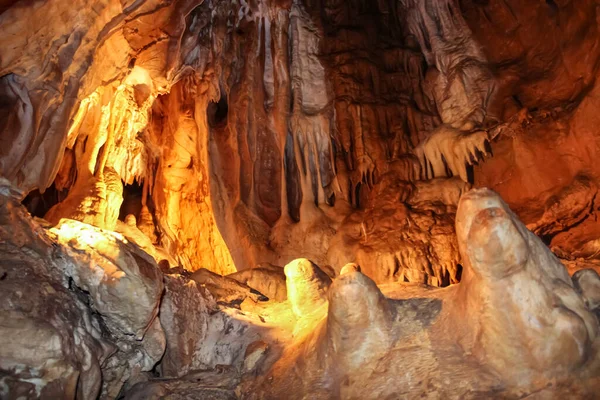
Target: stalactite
[(463, 86), (205, 144), (108, 151), (448, 152)]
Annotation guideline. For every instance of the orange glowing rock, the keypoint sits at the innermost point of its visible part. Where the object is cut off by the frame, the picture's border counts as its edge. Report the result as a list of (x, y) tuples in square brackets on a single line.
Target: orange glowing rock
[(306, 285)]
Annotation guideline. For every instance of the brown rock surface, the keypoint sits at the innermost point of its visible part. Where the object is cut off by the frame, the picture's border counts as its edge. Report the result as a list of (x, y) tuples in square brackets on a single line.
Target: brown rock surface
[(219, 137), (242, 162)]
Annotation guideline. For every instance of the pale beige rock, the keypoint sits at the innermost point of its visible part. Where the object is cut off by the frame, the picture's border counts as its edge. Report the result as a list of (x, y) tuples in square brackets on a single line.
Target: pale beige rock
[(268, 281), (359, 322), (498, 332), (124, 283), (254, 355), (449, 151), (306, 285), (508, 268), (350, 267), (75, 324), (587, 282)]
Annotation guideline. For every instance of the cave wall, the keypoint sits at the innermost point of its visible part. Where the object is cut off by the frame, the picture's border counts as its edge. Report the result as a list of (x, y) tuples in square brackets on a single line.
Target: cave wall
[(262, 131), (181, 189), (48, 71), (406, 76), (88, 90), (546, 55)]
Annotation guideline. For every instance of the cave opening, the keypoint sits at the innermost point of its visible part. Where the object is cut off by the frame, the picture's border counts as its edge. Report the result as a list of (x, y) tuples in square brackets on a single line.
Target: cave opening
[(217, 112), (132, 200), (38, 204)]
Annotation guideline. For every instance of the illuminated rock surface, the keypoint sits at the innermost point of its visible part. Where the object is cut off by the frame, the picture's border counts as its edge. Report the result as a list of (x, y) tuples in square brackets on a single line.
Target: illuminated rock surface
[(238, 134), (273, 198), (80, 312), (513, 324)]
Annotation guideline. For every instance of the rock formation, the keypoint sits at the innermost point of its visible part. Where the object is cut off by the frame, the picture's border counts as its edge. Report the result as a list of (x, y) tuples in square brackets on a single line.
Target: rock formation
[(236, 159), (85, 314), (285, 198), (515, 320)]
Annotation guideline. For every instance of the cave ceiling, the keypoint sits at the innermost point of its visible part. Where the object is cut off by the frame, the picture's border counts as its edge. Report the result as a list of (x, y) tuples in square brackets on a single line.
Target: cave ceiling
[(246, 124)]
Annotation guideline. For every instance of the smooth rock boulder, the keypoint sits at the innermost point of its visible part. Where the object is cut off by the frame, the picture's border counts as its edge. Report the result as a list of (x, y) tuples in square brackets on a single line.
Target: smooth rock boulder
[(531, 323), (124, 282), (515, 326), (306, 285)]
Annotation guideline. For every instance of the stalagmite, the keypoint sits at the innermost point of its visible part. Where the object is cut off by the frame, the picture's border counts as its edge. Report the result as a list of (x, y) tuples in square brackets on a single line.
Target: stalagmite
[(359, 322), (306, 285), (509, 268), (499, 328)]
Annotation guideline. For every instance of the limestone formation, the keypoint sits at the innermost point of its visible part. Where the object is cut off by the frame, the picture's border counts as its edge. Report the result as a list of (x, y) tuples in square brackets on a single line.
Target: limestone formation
[(449, 152), (225, 289), (514, 321), (79, 312), (507, 267), (587, 283), (161, 161), (269, 282), (306, 286)]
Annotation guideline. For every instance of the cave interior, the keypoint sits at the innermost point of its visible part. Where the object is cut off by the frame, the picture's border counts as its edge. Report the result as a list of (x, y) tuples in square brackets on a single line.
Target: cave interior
[(299, 199)]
